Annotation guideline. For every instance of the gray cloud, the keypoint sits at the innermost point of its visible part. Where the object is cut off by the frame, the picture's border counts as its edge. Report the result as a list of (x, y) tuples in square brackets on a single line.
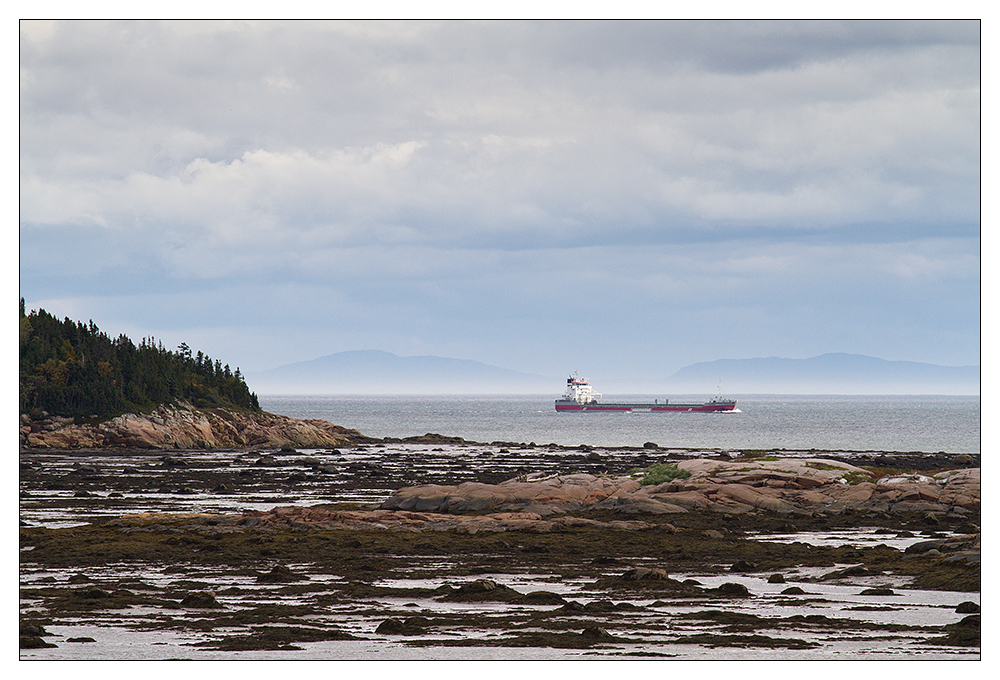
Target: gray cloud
[(455, 188)]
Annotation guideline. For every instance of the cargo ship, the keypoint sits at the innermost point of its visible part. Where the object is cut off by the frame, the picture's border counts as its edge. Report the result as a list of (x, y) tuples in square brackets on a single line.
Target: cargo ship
[(580, 396)]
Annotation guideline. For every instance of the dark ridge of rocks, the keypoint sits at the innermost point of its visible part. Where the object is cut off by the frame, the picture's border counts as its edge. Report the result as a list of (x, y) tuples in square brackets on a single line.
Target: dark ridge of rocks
[(967, 548), (274, 637), (34, 642), (429, 438), (481, 590), (965, 633), (543, 597), (745, 641), (308, 518), (33, 630), (911, 461), (397, 627)]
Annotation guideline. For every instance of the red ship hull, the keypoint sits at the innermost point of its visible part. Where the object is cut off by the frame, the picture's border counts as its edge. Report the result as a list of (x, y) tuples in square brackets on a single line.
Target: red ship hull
[(708, 407)]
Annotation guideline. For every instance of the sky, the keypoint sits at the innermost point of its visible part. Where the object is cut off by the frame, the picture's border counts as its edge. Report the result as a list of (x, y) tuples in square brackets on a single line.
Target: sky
[(618, 198)]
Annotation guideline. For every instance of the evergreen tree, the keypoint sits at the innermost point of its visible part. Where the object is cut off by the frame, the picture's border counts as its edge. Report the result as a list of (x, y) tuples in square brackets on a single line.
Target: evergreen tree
[(73, 369)]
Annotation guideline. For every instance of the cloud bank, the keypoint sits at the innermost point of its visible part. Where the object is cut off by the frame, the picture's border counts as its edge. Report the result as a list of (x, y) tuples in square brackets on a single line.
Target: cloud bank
[(619, 197)]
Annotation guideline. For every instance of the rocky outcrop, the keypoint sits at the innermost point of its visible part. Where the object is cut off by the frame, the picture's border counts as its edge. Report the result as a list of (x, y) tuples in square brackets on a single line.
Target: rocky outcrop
[(535, 494), (184, 427), (784, 486), (964, 548)]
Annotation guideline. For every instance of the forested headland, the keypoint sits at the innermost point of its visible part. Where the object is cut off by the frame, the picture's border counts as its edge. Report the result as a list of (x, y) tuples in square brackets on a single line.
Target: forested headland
[(72, 369)]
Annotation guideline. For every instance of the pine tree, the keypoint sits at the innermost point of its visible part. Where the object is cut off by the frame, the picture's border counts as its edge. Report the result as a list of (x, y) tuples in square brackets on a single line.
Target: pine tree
[(74, 369)]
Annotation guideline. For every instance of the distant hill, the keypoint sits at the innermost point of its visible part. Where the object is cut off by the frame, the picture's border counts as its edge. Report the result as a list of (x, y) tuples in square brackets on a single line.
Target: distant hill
[(377, 372), (826, 374)]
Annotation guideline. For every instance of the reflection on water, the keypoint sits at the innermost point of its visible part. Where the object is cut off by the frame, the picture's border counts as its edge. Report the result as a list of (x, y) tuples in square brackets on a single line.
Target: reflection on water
[(656, 625)]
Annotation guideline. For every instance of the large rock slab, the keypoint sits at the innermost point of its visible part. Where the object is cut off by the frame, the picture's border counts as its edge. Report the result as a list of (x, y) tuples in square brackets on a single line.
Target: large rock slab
[(784, 486)]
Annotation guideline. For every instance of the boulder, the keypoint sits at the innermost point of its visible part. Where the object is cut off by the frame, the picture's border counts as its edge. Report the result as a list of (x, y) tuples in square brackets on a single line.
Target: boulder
[(596, 634), (280, 574), (200, 600), (34, 642), (646, 574), (392, 627), (878, 591), (732, 590)]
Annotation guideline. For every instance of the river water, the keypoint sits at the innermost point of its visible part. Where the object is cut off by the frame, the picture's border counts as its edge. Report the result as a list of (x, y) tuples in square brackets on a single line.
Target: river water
[(851, 423)]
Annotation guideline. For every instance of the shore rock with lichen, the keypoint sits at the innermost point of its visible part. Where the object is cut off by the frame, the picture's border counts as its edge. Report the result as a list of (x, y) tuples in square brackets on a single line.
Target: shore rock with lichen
[(181, 426)]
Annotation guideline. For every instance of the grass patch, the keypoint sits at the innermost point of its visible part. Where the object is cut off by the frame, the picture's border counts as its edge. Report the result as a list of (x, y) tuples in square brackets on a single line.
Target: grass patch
[(758, 454), (659, 473), (825, 466)]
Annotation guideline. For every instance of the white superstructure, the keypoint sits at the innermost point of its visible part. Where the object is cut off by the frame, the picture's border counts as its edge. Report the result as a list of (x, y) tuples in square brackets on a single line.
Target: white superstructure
[(579, 390)]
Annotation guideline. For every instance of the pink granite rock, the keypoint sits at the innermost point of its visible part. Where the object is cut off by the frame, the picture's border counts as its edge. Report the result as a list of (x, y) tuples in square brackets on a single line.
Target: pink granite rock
[(184, 427), (784, 486)]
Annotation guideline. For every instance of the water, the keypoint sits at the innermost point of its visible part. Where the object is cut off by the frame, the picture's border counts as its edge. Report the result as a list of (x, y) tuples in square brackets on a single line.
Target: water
[(144, 633), (850, 423)]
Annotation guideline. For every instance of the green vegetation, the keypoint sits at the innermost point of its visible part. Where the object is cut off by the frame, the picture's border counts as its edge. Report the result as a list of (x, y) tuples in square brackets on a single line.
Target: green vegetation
[(825, 466), (659, 473), (854, 477), (72, 369)]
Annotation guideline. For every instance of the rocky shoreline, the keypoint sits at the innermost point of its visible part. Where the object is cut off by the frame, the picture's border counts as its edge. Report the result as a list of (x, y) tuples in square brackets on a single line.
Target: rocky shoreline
[(435, 547), (183, 427)]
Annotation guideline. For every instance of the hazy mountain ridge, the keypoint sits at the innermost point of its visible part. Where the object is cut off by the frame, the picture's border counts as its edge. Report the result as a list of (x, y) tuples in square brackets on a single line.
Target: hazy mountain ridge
[(834, 373), (378, 372)]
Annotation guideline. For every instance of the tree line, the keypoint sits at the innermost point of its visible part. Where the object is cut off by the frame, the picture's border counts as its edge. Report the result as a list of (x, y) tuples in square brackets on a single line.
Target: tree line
[(74, 369)]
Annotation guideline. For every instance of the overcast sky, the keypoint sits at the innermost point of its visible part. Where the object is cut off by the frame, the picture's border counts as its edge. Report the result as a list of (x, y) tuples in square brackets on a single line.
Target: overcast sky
[(621, 199)]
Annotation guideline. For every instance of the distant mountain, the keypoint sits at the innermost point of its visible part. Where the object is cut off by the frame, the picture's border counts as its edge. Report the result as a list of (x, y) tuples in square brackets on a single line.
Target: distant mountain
[(826, 374), (377, 372)]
